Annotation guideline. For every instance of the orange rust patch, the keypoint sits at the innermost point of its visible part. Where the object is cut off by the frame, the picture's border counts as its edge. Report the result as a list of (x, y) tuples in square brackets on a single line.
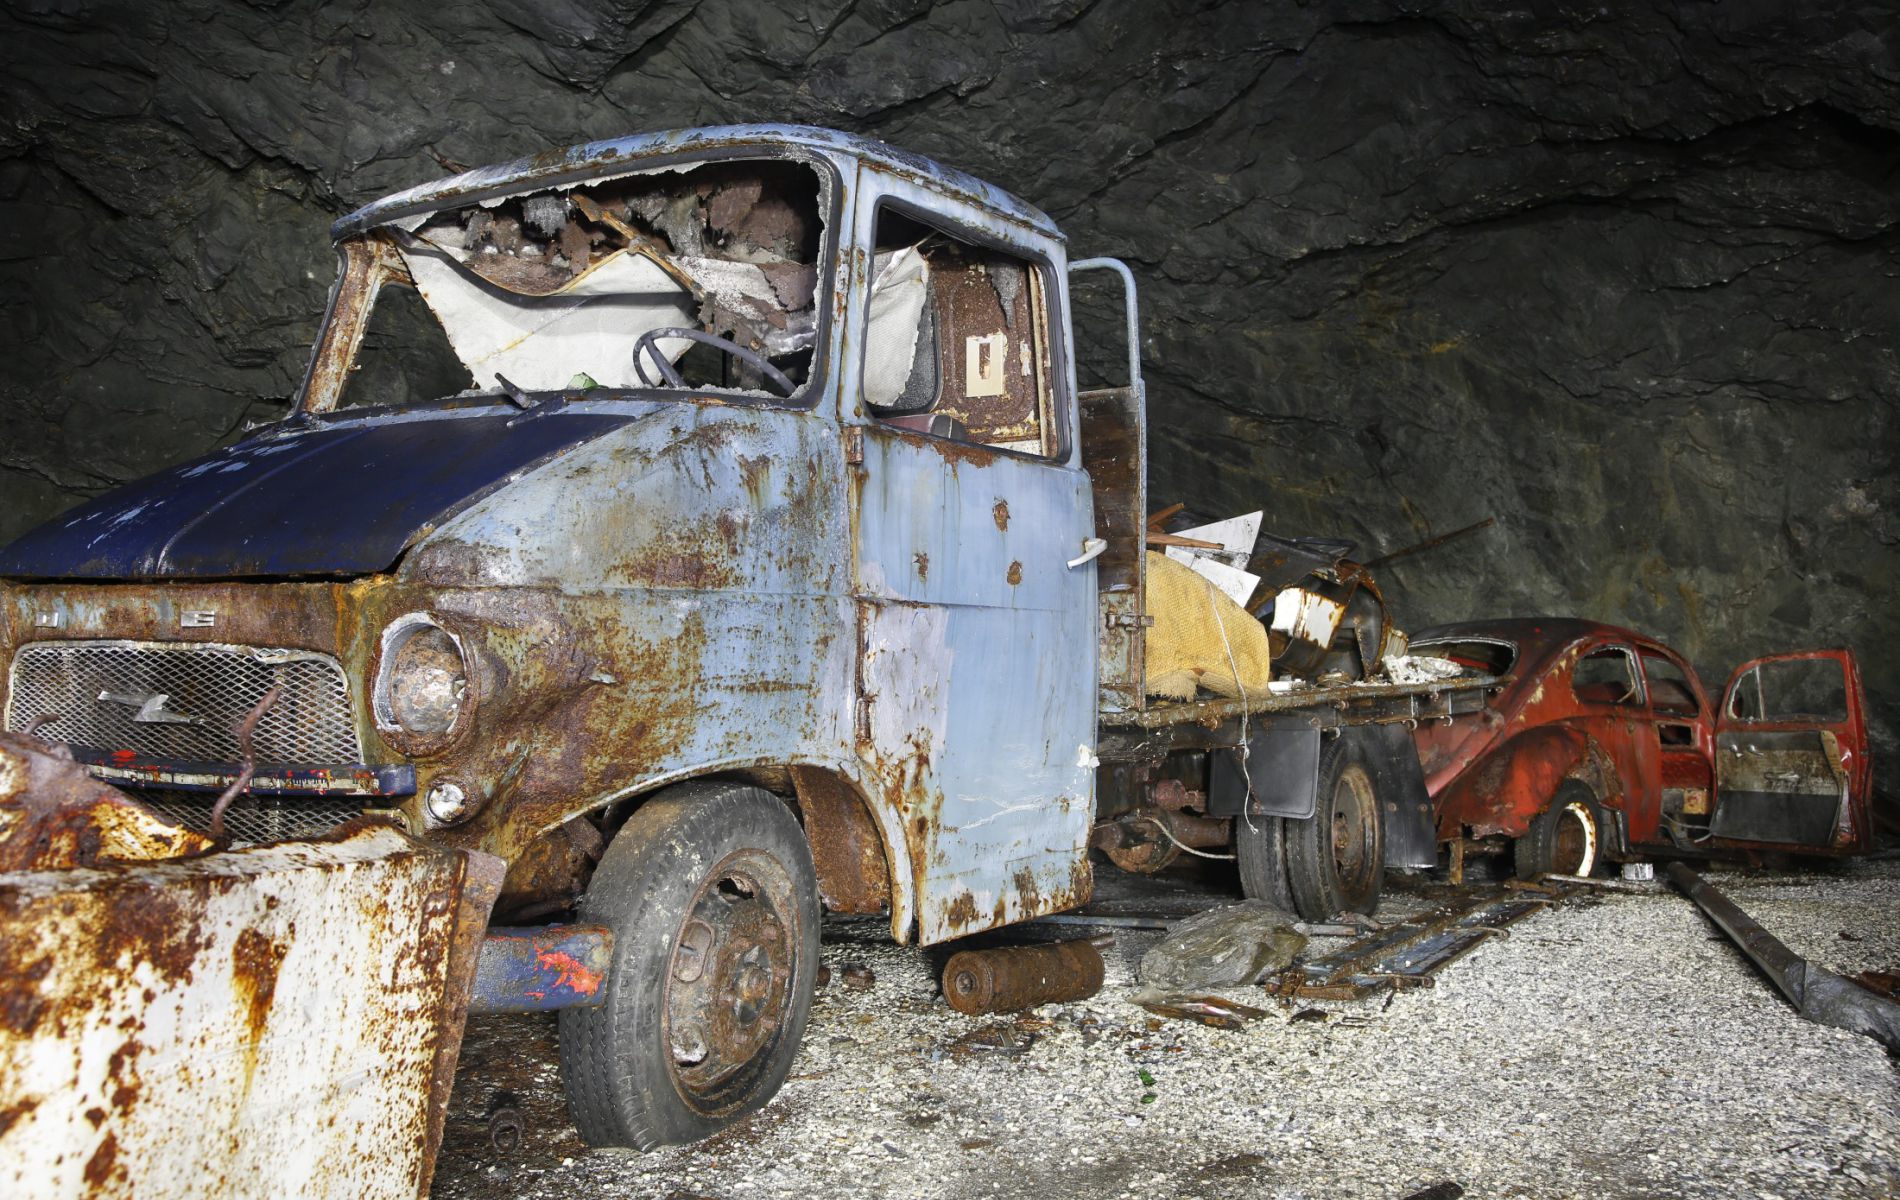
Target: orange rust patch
[(962, 914), (1015, 575), (1000, 514), (255, 961), (104, 1166), (570, 972), (923, 564)]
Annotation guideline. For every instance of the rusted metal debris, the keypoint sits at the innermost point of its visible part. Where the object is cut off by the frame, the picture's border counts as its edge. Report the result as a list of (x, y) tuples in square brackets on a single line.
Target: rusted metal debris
[(156, 1018), (247, 760), (1013, 978), (1817, 993), (1409, 953), (1212, 1011), (53, 815)]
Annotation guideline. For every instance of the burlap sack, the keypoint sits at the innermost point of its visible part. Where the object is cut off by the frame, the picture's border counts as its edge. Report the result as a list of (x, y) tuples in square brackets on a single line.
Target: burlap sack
[(1199, 638)]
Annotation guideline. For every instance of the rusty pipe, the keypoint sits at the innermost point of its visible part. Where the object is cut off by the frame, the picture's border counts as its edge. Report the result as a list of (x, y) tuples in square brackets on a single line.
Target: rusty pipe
[(247, 764), (976, 982)]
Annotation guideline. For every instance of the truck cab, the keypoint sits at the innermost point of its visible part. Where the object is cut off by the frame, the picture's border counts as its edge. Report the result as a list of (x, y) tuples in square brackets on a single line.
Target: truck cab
[(707, 524), (741, 465)]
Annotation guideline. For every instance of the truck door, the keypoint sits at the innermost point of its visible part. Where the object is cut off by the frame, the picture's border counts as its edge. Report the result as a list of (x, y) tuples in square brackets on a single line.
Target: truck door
[(1791, 764), (977, 640)]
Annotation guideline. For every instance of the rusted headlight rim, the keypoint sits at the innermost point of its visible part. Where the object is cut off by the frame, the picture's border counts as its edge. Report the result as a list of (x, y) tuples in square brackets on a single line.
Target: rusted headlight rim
[(406, 741)]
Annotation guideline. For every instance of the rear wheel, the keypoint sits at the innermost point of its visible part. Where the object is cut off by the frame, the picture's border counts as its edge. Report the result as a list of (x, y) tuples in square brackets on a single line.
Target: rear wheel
[(1260, 853), (713, 901), (1336, 861), (1565, 839)]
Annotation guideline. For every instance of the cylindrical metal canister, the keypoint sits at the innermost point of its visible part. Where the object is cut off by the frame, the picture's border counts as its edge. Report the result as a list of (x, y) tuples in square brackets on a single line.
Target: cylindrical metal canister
[(1018, 977)]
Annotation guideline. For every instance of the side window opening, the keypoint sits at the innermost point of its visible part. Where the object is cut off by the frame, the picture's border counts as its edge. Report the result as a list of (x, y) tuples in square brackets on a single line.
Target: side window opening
[(1670, 693), (405, 358), (957, 343), (1607, 676), (1797, 689)]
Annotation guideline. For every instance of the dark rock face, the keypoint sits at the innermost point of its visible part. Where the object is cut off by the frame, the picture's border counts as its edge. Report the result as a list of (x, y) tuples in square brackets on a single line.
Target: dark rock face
[(1621, 276)]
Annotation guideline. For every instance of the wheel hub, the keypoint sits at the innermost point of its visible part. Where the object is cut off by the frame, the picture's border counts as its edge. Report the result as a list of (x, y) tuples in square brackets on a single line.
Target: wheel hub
[(730, 983)]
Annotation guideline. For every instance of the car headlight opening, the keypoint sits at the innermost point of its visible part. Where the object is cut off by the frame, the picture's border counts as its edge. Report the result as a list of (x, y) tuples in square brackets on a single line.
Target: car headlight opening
[(422, 689)]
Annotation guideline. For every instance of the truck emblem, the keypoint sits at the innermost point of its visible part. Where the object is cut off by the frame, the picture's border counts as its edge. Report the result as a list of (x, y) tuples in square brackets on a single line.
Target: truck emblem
[(198, 618), (151, 708), (46, 620)]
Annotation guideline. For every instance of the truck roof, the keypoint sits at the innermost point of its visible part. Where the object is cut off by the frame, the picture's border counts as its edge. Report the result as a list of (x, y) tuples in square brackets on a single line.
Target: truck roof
[(594, 160)]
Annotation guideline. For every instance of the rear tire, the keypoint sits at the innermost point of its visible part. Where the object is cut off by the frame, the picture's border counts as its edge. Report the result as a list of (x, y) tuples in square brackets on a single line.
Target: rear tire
[(713, 900), (1336, 861), (1260, 853), (1565, 839)]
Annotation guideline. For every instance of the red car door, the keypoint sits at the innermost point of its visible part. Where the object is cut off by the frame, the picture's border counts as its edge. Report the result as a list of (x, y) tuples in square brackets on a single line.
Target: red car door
[(1791, 765), (1685, 735)]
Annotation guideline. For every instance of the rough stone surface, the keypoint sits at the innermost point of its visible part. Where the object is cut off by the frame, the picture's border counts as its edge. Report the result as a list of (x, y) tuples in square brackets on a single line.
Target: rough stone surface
[(1234, 944), (1622, 276)]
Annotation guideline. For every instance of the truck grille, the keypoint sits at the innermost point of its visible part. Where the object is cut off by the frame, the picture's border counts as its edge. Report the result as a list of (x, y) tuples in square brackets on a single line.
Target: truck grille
[(250, 819), (94, 690)]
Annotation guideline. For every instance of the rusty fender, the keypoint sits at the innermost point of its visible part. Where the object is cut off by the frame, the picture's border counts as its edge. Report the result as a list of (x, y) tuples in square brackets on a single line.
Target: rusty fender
[(1514, 785)]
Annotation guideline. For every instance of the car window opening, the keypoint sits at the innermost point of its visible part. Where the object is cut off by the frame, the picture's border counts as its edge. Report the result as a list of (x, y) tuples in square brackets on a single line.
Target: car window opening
[(1799, 689), (957, 343), (701, 278), (1607, 676)]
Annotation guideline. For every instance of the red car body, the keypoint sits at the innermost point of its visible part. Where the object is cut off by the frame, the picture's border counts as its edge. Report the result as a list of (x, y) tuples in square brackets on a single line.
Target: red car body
[(1781, 763)]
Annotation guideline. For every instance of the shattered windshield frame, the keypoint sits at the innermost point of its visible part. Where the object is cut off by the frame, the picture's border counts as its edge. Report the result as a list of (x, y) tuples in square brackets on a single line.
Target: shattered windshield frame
[(724, 260)]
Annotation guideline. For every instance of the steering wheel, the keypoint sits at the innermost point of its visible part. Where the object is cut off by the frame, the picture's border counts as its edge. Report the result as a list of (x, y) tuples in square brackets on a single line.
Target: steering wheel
[(648, 346)]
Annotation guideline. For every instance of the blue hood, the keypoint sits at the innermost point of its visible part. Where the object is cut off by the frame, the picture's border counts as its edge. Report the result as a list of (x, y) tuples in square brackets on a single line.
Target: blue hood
[(323, 500)]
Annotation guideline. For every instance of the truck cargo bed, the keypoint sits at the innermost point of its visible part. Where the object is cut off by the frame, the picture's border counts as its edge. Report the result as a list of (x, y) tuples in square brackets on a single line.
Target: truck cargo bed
[(1311, 705)]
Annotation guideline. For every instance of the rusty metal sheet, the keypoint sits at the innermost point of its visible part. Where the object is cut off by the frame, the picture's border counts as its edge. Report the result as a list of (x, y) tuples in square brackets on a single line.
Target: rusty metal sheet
[(264, 1022)]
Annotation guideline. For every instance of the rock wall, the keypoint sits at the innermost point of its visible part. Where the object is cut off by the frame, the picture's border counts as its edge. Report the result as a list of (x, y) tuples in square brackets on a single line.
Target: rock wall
[(1620, 276)]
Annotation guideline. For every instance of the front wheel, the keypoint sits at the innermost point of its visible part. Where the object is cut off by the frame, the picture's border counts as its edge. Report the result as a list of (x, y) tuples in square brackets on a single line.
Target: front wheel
[(1565, 839), (713, 900), (1336, 860)]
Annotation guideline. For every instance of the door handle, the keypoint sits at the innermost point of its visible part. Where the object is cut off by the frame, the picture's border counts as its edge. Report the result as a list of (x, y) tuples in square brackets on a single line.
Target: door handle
[(1091, 549)]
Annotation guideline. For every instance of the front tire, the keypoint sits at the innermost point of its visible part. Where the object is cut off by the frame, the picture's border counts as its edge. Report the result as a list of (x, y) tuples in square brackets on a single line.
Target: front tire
[(1336, 861), (1565, 839), (713, 900)]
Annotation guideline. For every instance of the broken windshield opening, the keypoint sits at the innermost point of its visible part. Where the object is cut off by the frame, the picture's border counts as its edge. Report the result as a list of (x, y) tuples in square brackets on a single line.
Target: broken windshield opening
[(700, 278)]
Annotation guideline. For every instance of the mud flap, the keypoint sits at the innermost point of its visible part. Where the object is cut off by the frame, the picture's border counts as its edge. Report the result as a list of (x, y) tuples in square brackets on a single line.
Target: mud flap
[(1282, 767)]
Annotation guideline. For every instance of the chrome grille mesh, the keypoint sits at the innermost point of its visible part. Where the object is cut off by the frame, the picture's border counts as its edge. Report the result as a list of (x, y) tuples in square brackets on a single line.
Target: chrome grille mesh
[(213, 685)]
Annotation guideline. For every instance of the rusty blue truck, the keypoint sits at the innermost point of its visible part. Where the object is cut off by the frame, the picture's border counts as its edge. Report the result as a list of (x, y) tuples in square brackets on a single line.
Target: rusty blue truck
[(710, 525)]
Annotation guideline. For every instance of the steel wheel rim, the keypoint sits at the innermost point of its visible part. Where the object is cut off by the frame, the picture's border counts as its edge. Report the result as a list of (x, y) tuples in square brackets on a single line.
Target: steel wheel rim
[(1574, 851), (1354, 820), (729, 980)]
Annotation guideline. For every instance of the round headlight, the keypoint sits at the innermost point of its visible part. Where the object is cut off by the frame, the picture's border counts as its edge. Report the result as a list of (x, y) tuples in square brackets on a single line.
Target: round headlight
[(422, 688), (448, 802)]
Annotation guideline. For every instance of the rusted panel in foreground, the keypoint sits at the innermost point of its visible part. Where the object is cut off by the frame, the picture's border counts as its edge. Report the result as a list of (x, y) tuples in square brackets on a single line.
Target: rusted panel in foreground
[(53, 815), (263, 1022)]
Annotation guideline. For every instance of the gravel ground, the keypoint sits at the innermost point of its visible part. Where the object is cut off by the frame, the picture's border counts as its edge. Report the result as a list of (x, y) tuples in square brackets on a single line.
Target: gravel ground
[(1613, 1047)]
